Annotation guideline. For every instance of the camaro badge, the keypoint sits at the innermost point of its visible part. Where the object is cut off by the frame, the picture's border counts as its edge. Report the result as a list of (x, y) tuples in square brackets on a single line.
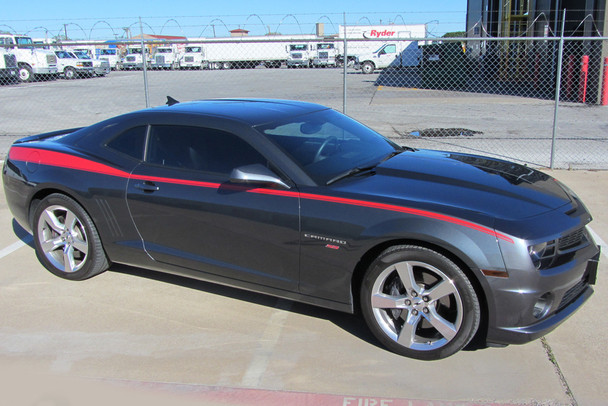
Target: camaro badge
[(331, 241)]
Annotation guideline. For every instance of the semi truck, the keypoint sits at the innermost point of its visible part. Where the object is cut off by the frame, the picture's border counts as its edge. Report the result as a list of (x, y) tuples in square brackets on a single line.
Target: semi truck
[(165, 57), (32, 62), (192, 58)]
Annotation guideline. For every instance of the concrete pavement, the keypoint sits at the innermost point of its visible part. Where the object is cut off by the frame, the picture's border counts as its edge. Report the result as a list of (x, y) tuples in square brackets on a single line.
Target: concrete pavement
[(129, 336)]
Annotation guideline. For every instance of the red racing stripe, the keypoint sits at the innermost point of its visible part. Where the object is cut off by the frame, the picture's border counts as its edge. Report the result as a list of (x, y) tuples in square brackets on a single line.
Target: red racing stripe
[(62, 160)]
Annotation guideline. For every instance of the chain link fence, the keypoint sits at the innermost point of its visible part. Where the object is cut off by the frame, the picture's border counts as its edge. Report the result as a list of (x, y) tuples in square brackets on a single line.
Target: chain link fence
[(537, 101)]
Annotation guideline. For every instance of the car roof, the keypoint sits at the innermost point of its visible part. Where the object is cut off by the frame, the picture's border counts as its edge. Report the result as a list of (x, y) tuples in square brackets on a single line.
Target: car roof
[(250, 111)]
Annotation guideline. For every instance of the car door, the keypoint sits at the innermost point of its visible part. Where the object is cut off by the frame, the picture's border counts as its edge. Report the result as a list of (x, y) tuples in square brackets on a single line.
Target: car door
[(189, 214)]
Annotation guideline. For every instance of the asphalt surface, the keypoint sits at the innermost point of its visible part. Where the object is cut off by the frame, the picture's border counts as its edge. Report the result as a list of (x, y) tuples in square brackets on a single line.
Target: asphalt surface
[(510, 127), (130, 336)]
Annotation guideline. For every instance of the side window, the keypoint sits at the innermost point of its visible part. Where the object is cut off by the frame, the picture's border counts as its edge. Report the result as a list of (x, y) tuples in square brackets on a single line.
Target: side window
[(200, 149), (130, 142), (390, 49)]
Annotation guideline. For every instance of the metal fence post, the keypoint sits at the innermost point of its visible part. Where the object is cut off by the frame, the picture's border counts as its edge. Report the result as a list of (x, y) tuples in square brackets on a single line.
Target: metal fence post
[(558, 84), (144, 63), (345, 63)]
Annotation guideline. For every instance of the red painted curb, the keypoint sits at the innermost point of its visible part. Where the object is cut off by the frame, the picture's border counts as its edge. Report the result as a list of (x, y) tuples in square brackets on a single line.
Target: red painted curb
[(264, 397)]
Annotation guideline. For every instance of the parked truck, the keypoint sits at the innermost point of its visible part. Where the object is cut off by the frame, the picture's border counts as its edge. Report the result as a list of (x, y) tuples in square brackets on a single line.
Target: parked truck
[(192, 58), (397, 54), (32, 62), (300, 55), (134, 59), (324, 55), (165, 57), (71, 67)]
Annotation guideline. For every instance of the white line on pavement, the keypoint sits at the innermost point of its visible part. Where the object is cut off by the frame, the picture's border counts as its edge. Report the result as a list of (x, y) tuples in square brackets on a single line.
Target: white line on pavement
[(15, 246), (259, 364)]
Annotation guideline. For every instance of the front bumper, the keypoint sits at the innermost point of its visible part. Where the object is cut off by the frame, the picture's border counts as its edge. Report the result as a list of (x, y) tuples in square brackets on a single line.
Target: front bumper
[(569, 287)]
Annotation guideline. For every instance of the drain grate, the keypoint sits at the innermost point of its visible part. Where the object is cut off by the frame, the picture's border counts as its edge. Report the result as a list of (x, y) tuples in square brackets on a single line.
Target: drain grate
[(444, 132)]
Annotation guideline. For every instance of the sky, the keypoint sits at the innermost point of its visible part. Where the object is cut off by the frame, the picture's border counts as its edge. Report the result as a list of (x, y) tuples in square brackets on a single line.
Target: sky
[(108, 19)]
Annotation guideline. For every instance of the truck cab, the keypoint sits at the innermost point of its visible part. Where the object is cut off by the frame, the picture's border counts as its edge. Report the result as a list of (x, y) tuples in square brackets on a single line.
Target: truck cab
[(299, 55), (135, 59), (325, 54), (193, 58), (32, 62), (165, 58), (112, 55)]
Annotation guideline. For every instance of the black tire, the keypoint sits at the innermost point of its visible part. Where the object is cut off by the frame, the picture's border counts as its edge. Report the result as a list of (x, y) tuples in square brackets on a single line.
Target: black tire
[(418, 303), (25, 73), (66, 240), (368, 67), (69, 73)]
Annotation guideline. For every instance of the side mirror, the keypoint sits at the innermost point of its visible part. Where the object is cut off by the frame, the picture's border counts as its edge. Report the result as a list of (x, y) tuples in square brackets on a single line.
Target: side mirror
[(256, 173)]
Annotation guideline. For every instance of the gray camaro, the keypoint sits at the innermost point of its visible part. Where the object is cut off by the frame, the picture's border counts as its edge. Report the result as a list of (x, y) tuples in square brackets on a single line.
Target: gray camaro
[(296, 200)]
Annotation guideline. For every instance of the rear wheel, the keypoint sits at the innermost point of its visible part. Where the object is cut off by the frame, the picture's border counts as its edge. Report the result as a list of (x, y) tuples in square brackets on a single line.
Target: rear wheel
[(66, 240), (418, 303), (367, 67)]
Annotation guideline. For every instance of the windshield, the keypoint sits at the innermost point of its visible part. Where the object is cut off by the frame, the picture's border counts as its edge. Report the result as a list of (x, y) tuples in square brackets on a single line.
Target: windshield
[(63, 54), (327, 143), (107, 52), (24, 42), (81, 55), (298, 47), (325, 46), (164, 50), (193, 49)]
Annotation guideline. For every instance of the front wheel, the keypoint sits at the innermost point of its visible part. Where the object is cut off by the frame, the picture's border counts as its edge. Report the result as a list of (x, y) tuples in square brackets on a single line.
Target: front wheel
[(25, 73), (419, 304), (66, 240), (69, 73)]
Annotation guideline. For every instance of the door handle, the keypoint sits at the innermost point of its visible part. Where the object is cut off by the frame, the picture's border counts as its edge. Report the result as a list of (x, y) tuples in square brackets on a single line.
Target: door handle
[(146, 186)]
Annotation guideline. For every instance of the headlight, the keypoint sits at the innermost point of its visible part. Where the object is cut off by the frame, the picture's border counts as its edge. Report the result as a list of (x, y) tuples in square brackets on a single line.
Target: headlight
[(540, 252)]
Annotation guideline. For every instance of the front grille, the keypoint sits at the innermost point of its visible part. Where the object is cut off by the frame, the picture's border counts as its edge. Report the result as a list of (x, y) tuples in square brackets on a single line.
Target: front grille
[(51, 59), (160, 59), (572, 294), (189, 59), (561, 251), (297, 55), (324, 55), (571, 240), (10, 61), (130, 59)]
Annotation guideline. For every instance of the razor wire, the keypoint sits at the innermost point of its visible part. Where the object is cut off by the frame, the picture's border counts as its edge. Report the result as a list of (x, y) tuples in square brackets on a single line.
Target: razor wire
[(488, 96)]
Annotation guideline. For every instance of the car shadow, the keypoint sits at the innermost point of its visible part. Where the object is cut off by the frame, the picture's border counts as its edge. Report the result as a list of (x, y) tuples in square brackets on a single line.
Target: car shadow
[(22, 234), (351, 323), (348, 322)]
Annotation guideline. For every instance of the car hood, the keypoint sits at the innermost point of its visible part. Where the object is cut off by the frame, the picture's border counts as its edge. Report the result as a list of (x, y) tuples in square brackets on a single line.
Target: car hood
[(455, 183)]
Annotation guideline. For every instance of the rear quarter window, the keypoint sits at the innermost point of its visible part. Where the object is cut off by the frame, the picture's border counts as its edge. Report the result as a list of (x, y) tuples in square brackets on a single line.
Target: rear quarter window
[(130, 142)]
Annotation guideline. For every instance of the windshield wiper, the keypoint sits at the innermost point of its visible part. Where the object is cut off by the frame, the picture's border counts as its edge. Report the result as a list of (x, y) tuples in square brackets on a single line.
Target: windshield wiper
[(359, 169), (351, 172)]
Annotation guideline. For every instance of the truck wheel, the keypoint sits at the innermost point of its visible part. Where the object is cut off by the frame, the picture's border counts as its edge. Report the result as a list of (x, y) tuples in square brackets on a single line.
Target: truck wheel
[(25, 73), (69, 73), (368, 67)]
